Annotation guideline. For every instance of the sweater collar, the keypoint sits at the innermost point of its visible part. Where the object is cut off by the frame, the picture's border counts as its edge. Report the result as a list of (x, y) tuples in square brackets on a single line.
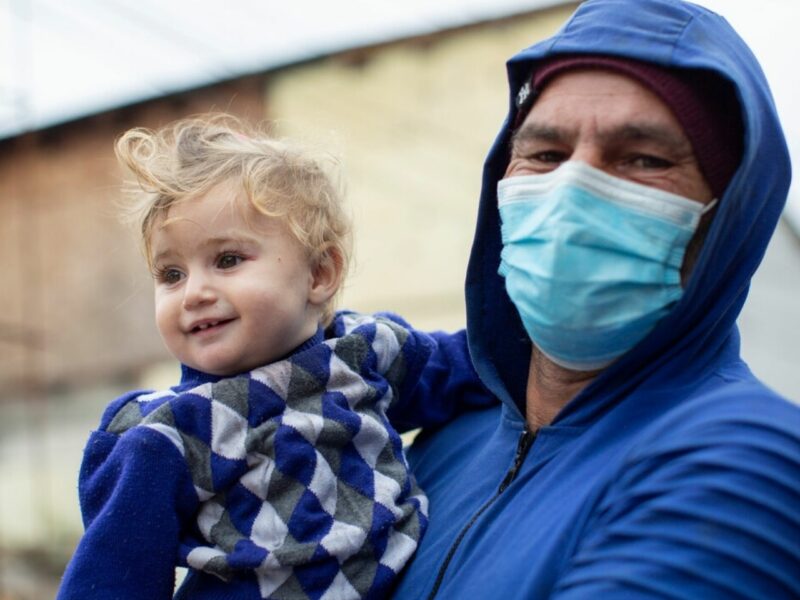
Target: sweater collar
[(191, 378)]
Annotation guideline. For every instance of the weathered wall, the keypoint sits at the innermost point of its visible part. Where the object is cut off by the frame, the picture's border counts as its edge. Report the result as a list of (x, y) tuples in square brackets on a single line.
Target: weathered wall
[(412, 120), (75, 293), (413, 123)]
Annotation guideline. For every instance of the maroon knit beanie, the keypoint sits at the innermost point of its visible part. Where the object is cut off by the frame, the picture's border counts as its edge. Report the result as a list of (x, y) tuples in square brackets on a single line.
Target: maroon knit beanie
[(704, 104)]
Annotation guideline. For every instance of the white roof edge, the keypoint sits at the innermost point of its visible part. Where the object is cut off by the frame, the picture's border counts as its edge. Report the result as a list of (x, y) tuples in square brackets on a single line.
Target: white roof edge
[(35, 114)]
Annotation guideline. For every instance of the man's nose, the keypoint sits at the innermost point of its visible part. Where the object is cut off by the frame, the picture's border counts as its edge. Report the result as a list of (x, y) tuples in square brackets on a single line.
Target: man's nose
[(589, 153), (198, 291)]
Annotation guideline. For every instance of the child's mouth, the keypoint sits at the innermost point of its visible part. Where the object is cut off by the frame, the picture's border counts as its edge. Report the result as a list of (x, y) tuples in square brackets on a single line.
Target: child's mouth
[(209, 326)]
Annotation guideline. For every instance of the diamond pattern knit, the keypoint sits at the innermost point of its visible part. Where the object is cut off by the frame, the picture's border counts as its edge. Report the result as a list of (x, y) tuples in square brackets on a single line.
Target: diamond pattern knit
[(299, 476)]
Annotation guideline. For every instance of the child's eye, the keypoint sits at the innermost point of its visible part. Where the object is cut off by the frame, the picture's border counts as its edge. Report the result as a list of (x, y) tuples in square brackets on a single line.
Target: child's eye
[(228, 260), (168, 275)]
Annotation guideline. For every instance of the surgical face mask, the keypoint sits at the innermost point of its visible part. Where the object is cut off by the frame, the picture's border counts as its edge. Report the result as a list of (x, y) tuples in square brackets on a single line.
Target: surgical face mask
[(591, 262)]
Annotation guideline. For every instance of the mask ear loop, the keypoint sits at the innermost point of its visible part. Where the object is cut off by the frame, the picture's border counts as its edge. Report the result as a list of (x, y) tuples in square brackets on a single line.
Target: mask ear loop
[(707, 208)]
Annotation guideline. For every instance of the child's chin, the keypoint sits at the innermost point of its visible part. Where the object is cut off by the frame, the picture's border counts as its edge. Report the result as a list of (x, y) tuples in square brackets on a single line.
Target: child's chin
[(219, 368)]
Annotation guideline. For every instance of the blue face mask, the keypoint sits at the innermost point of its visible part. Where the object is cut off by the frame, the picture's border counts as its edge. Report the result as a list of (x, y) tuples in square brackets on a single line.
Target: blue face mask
[(591, 262)]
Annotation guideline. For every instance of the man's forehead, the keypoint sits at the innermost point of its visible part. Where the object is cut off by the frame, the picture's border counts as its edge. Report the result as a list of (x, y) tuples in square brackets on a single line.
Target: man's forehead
[(704, 104), (544, 130), (585, 84), (612, 105)]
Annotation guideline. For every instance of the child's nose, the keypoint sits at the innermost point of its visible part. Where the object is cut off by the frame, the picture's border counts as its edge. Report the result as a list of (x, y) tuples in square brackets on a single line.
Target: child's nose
[(198, 291)]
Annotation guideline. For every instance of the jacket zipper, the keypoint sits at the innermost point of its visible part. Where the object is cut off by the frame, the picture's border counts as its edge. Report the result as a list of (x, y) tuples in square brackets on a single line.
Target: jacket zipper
[(523, 446)]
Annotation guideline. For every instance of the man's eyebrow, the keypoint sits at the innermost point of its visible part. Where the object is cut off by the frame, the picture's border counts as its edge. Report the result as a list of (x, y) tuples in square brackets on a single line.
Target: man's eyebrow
[(535, 132), (647, 132), (644, 132)]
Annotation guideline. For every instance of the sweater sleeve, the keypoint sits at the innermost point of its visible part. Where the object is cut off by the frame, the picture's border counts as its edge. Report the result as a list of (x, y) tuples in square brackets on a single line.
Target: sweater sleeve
[(439, 382), (715, 515), (135, 492)]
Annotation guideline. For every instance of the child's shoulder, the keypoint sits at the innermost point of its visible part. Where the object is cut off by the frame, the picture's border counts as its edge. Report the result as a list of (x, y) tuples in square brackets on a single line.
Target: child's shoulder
[(347, 322), (381, 340), (129, 409)]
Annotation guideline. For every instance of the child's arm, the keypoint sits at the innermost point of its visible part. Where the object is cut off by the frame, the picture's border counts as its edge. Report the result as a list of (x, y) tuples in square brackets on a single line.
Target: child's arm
[(135, 490), (434, 381), (445, 387)]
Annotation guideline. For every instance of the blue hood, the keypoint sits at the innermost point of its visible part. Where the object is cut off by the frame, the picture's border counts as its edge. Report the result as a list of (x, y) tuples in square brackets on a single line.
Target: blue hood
[(701, 328)]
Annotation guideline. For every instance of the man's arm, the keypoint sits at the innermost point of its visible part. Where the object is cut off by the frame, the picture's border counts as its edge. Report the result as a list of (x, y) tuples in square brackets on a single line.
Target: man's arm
[(714, 517)]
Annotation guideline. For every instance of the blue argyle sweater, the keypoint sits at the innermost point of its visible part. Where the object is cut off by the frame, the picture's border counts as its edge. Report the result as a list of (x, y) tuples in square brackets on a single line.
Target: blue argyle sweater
[(284, 482)]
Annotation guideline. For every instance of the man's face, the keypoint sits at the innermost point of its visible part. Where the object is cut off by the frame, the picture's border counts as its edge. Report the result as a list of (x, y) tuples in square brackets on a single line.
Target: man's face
[(612, 123)]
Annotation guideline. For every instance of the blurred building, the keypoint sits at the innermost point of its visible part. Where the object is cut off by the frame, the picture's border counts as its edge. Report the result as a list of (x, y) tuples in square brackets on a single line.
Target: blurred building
[(411, 118), (410, 99), (76, 297)]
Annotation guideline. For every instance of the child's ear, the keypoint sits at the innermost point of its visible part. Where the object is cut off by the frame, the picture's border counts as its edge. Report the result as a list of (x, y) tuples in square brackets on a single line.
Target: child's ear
[(326, 277)]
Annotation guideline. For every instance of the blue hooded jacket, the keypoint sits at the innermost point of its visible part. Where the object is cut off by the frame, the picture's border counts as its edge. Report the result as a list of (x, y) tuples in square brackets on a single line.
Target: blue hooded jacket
[(675, 473)]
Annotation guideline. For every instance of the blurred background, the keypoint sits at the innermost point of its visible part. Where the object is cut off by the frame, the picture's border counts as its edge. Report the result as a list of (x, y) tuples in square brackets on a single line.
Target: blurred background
[(409, 94)]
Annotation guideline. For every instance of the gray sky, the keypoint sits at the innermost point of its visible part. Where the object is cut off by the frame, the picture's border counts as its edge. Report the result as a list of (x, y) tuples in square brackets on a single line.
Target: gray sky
[(770, 27)]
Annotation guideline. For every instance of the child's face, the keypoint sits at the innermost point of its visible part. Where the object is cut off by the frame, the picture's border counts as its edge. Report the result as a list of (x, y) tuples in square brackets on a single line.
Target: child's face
[(231, 293)]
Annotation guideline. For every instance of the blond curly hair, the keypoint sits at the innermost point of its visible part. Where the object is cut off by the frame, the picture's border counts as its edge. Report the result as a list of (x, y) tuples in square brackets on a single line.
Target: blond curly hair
[(280, 179)]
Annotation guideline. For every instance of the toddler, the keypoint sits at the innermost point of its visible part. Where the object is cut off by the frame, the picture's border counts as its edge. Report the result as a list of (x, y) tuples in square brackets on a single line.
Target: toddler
[(270, 470)]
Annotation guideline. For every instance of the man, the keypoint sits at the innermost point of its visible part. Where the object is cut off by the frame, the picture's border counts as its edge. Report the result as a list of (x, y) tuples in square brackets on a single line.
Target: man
[(638, 179)]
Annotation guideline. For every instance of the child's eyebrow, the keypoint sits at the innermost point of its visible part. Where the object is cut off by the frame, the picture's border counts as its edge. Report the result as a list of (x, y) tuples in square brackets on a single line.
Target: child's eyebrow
[(236, 238), (161, 256), (228, 238)]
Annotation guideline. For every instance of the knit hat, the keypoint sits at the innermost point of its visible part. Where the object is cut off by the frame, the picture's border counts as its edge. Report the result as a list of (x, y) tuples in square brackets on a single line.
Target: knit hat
[(704, 104)]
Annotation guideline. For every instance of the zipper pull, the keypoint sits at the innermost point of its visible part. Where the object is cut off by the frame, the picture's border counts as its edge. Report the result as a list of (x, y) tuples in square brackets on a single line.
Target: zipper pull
[(523, 446)]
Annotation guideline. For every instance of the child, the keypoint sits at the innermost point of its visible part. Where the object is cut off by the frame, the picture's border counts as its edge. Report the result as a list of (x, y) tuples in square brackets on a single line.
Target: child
[(270, 470)]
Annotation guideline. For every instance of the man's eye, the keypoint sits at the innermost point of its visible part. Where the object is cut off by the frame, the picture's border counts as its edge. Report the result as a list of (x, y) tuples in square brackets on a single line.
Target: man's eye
[(549, 156), (228, 260), (646, 161), (544, 156)]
